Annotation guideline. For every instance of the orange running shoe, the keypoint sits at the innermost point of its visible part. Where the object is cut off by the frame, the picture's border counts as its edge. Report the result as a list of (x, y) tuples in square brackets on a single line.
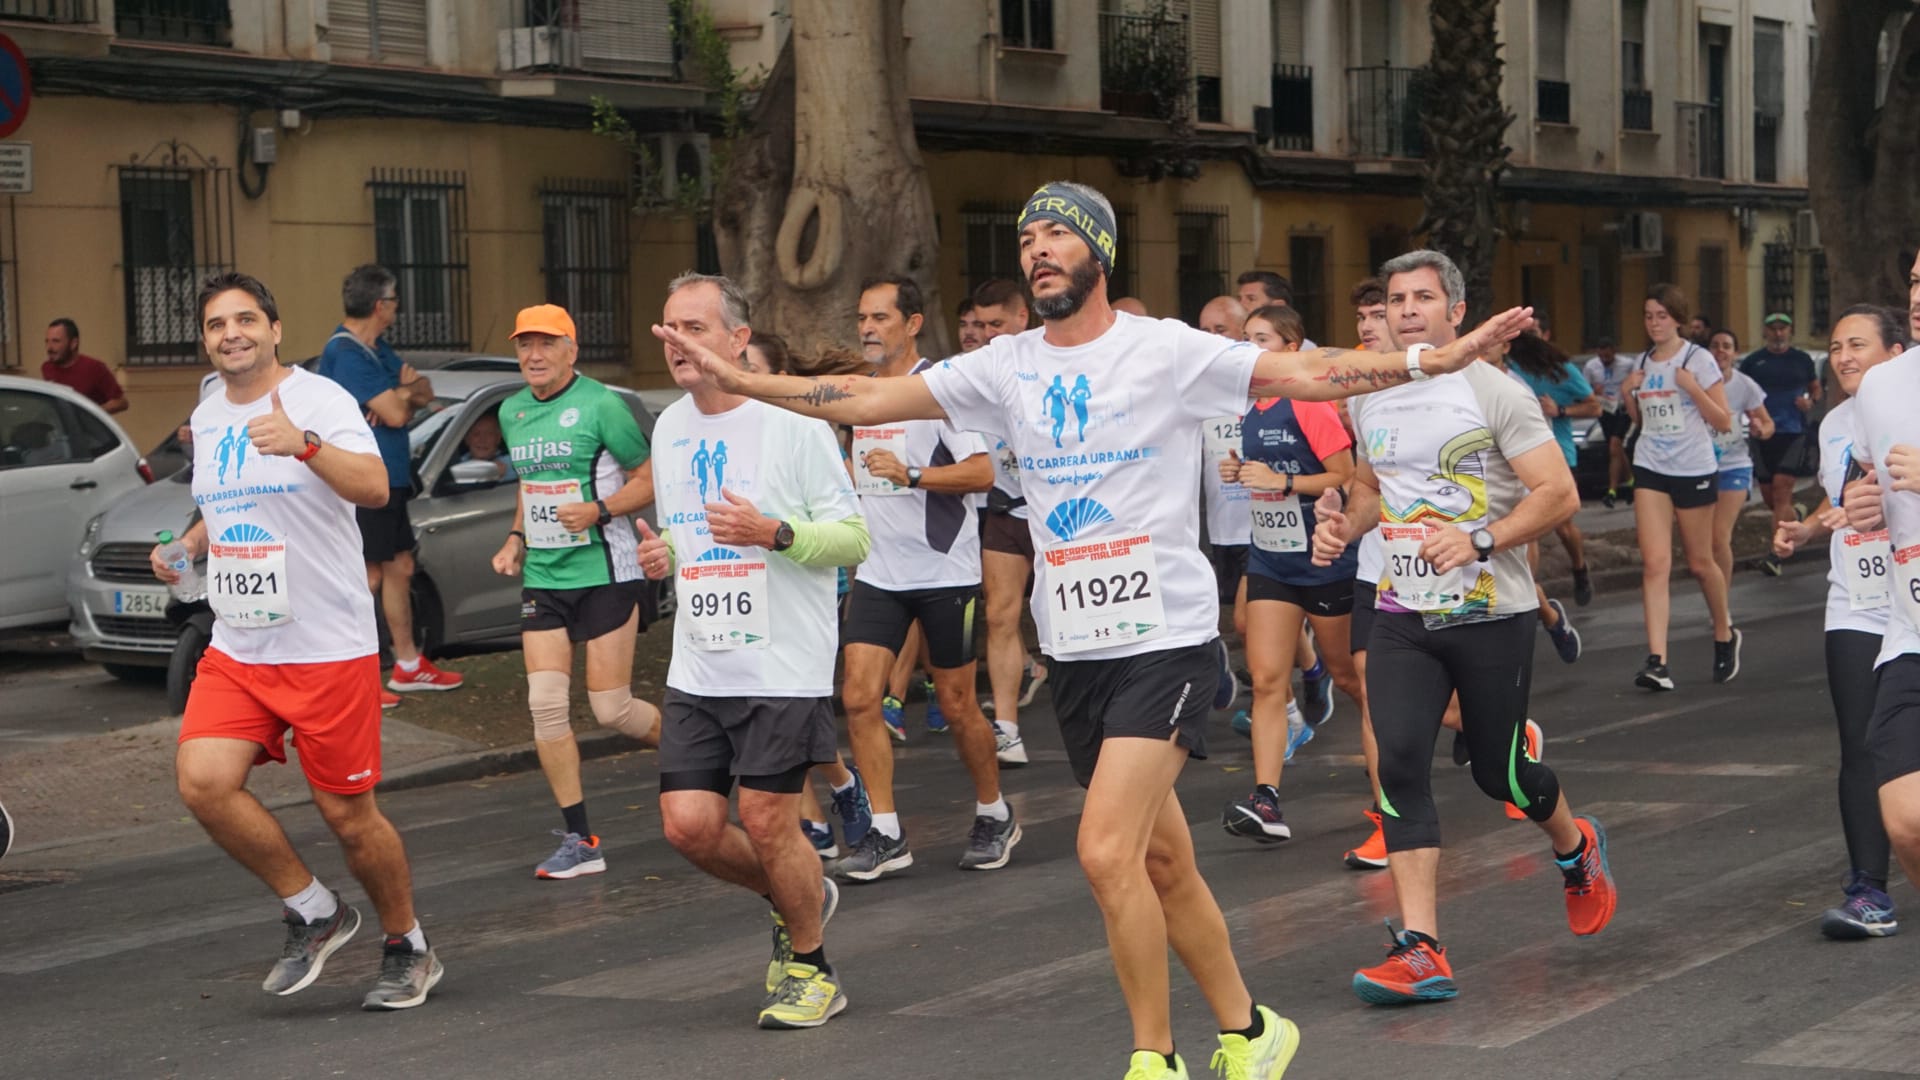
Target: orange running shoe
[(1415, 970), (389, 699), (1372, 854), (1590, 893), (424, 677), (1536, 740)]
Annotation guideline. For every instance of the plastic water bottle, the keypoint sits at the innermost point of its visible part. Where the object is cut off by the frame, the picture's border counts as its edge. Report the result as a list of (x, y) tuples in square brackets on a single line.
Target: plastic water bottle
[(190, 587)]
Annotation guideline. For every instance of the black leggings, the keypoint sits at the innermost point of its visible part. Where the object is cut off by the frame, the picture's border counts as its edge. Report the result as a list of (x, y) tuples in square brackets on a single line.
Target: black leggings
[(1850, 679), (1411, 671)]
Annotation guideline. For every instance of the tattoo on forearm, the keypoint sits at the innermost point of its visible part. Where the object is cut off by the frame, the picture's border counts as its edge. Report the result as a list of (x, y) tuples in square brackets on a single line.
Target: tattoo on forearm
[(1354, 376), (822, 393)]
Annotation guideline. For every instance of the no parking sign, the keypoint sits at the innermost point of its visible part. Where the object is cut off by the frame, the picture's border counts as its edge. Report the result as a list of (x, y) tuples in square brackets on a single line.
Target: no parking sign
[(16, 87)]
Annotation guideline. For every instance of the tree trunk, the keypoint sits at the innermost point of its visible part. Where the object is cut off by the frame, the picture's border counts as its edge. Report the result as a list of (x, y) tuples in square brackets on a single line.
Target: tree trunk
[(828, 188), (1863, 161), (1465, 124)]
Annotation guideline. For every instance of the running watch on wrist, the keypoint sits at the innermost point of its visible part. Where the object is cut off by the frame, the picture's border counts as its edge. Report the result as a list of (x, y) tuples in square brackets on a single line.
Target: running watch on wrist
[(913, 477), (1413, 361), (1483, 544), (782, 537), (1289, 488), (312, 447), (606, 515)]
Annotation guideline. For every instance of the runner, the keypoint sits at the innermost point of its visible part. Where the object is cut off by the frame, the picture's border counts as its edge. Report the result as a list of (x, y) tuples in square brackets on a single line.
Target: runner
[(1369, 299), (1552, 380), (913, 479), (1121, 594), (1792, 387), (1675, 395), (1605, 371), (749, 690), (1735, 479), (1459, 473), (1227, 506), (1859, 596), (294, 647), (583, 472), (1564, 393)]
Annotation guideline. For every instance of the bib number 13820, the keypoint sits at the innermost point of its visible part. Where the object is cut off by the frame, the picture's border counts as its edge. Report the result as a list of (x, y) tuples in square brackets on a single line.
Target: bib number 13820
[(1103, 593)]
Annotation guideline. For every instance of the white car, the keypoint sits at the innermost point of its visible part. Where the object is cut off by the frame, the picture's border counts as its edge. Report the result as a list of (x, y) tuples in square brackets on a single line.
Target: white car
[(62, 460)]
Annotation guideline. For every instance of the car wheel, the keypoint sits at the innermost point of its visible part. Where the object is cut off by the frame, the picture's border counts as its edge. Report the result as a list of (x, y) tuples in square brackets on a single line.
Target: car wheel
[(134, 672), (184, 664)]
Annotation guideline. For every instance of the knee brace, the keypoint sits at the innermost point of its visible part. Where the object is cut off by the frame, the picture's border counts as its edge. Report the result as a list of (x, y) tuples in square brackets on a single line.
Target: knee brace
[(620, 710), (547, 700)]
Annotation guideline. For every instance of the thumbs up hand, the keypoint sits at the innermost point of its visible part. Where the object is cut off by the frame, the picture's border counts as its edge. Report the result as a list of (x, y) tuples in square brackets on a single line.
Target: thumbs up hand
[(274, 432), (656, 560), (1230, 468)]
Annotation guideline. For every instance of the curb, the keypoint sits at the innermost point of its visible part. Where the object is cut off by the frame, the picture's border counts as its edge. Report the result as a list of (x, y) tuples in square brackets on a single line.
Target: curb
[(498, 761)]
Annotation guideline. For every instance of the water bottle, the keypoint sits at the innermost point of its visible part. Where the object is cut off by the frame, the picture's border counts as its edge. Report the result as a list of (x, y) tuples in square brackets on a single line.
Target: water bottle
[(190, 587)]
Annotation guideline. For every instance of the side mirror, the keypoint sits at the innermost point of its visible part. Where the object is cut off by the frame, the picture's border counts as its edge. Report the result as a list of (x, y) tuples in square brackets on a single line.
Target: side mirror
[(475, 473)]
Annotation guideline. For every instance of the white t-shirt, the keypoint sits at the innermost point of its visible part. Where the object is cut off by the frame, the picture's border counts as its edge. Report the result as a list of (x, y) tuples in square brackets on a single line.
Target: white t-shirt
[(1687, 449), (1730, 447), (923, 539), (1373, 559), (1845, 548), (789, 467), (1606, 378), (1006, 471), (1229, 506), (273, 508), (1884, 416), (1108, 435)]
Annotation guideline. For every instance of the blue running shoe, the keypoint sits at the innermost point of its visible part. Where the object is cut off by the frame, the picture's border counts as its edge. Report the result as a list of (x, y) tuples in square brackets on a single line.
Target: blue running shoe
[(820, 835), (1228, 689), (1316, 696), (1868, 913), (1299, 732), (936, 720), (892, 710), (854, 809), (1243, 724)]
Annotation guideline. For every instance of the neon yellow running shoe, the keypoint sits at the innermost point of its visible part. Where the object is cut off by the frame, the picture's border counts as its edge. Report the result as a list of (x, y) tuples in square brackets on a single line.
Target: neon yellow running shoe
[(1264, 1058), (1149, 1065), (807, 998)]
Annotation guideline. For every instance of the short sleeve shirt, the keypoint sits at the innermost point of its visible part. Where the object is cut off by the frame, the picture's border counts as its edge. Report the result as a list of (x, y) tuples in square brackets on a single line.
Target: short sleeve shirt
[(366, 373), (1730, 447), (1836, 453), (1572, 389), (1689, 453), (1884, 417), (1783, 377), (585, 435), (85, 376), (925, 539)]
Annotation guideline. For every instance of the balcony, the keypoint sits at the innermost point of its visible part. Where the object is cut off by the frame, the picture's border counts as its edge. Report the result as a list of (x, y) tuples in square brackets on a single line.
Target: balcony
[(1143, 65), (1383, 111), (1636, 110), (191, 22), (1292, 98), (1766, 148), (69, 12), (1552, 101), (608, 37), (1703, 141)]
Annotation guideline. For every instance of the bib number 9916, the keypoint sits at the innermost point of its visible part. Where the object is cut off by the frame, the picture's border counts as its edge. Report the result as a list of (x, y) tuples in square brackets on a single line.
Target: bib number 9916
[(724, 604)]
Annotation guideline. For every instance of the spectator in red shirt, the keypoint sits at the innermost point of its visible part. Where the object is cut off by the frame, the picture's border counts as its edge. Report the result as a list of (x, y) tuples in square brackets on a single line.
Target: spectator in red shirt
[(67, 366)]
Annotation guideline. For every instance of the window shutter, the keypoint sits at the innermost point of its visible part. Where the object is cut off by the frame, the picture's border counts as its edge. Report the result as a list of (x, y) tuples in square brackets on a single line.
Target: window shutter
[(627, 36), (1205, 22), (384, 31), (1289, 32)]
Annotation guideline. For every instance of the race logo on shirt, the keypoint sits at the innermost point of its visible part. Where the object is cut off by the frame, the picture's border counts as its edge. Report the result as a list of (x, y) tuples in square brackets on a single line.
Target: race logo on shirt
[(232, 451), (1059, 398), (1072, 518), (710, 465)]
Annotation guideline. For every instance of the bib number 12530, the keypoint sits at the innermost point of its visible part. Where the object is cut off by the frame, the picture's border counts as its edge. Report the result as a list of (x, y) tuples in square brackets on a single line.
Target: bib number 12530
[(1103, 593)]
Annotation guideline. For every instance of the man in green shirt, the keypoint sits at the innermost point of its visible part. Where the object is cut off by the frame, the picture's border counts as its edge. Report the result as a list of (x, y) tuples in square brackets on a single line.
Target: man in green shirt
[(582, 464)]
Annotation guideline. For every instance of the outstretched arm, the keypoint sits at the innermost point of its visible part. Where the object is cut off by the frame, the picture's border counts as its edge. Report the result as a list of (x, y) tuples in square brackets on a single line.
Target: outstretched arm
[(1329, 373), (840, 399)]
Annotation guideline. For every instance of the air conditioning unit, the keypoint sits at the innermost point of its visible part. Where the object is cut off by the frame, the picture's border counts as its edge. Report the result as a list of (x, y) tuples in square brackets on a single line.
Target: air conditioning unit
[(1641, 233), (671, 166), (1806, 231), (526, 48)]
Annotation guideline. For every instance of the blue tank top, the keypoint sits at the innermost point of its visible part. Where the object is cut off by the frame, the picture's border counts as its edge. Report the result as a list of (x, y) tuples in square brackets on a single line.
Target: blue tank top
[(1272, 434)]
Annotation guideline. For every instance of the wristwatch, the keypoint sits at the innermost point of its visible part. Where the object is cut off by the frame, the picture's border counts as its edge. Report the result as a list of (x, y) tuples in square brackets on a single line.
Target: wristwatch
[(913, 477), (783, 537), (1288, 490), (606, 515), (1483, 544), (1413, 361), (312, 447)]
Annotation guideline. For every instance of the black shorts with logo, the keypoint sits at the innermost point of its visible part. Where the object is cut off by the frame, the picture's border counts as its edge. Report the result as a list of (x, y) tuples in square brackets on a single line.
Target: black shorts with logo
[(584, 614), (387, 531), (1327, 600), (1687, 492), (1156, 695), (882, 617), (764, 742), (1893, 734)]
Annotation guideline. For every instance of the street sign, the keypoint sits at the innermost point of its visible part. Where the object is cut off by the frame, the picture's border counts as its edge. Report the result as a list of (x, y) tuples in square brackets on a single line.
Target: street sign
[(16, 87), (16, 168)]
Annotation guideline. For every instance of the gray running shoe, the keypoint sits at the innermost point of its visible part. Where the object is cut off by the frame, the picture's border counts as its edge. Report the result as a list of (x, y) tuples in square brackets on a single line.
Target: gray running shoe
[(783, 944), (875, 854), (990, 844), (405, 976), (308, 946), (576, 855)]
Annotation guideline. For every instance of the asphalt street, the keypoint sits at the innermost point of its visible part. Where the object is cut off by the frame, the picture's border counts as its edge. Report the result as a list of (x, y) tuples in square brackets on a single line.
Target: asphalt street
[(1719, 803)]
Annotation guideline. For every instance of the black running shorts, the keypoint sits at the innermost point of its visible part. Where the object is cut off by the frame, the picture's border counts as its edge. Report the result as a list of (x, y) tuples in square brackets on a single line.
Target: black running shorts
[(1156, 695), (386, 531), (882, 617), (1893, 735), (584, 614), (1325, 600), (1363, 612), (748, 738), (1687, 492)]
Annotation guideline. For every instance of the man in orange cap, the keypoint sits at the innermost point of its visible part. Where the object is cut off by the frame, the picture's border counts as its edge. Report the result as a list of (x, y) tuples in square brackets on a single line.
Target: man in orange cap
[(582, 467)]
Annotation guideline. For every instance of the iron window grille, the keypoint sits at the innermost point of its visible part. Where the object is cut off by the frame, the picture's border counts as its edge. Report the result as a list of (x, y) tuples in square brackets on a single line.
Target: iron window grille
[(1291, 93), (1307, 267), (176, 228), (1821, 317), (587, 261), (1553, 101), (420, 233), (51, 11), (1202, 257), (1776, 270), (1384, 106), (991, 241), (194, 22)]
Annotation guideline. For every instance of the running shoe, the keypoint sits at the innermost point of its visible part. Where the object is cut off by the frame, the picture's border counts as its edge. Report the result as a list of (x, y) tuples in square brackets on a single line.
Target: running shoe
[(783, 943), (1415, 970), (854, 809), (307, 947), (1726, 658), (1655, 675), (1582, 587), (876, 854), (1316, 697), (1771, 567), (1257, 817), (1264, 1058), (405, 976), (1610, 499), (1150, 1065), (807, 997), (1372, 853), (1566, 640), (1031, 681), (1008, 747), (1227, 690), (990, 843), (1589, 881), (1242, 724), (1299, 732), (820, 835), (424, 677), (6, 831), (936, 719), (389, 699), (1867, 913), (577, 855), (1535, 741), (893, 710)]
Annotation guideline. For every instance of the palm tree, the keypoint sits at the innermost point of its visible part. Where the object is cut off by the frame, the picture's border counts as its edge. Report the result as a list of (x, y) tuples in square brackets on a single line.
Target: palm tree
[(1465, 123)]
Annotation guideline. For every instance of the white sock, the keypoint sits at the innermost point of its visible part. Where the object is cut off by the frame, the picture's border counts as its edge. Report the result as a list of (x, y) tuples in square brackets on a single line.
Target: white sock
[(997, 809), (1293, 712), (314, 903), (1010, 730), (888, 824), (839, 789), (417, 937), (408, 666)]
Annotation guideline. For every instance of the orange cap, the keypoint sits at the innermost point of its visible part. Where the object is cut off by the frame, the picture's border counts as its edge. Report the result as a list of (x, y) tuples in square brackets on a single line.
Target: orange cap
[(544, 319)]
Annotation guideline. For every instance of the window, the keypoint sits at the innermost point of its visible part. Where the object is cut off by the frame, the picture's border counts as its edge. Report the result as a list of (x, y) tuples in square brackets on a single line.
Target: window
[(1769, 97), (1711, 297), (176, 227), (1821, 302), (1776, 268), (1027, 24), (1203, 20), (387, 31), (586, 263), (1307, 269), (420, 233), (33, 431), (706, 249), (1633, 44), (992, 241), (1554, 98), (197, 22), (1202, 258)]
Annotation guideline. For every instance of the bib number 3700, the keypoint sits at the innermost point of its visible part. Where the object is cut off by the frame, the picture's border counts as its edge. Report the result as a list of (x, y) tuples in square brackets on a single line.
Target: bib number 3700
[(1103, 593), (1417, 585)]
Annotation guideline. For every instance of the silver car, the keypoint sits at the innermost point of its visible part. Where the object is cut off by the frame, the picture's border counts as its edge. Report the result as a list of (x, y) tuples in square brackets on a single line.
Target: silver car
[(461, 513)]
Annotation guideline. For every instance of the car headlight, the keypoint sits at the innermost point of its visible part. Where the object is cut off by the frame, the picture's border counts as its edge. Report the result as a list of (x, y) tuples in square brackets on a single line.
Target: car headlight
[(91, 534)]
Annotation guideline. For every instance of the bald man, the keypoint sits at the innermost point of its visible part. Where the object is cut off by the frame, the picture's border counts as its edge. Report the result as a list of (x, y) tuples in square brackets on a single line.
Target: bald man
[(1225, 316), (1132, 306)]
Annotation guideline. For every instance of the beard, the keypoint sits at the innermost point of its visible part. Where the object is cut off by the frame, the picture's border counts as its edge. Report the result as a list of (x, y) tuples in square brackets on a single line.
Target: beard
[(1080, 282)]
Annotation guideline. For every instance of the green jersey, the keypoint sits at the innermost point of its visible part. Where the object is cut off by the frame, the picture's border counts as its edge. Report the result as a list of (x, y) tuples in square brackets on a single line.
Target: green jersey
[(576, 446)]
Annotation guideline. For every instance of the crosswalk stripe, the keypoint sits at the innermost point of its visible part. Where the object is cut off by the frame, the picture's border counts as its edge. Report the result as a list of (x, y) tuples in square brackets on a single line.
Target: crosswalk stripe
[(1873, 1036)]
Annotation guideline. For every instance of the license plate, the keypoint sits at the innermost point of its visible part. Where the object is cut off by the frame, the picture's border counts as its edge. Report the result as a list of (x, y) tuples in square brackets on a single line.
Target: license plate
[(143, 602)]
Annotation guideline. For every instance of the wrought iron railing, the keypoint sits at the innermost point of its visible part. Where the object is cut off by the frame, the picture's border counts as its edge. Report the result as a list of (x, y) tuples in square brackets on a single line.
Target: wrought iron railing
[(1636, 110), (51, 11), (196, 22), (1553, 101), (1766, 147), (1703, 141), (1292, 97), (1143, 64), (1383, 111)]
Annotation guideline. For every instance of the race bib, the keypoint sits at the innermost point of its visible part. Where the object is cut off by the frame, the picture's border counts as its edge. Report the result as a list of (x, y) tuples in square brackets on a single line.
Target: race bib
[(1279, 523), (542, 502), (1103, 593), (1416, 585), (1868, 558), (723, 604), (1660, 413), (1222, 436), (868, 439), (247, 583), (1906, 573)]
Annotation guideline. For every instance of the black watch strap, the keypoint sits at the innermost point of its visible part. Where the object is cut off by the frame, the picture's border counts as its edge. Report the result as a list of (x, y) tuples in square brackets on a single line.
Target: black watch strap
[(606, 515), (782, 537)]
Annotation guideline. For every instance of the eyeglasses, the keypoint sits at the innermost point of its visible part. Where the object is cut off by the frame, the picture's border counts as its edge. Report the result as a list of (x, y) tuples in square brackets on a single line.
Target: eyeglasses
[(394, 299)]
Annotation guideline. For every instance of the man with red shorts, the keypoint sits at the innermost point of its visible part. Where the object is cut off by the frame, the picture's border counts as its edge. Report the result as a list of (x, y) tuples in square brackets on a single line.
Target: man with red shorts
[(294, 647)]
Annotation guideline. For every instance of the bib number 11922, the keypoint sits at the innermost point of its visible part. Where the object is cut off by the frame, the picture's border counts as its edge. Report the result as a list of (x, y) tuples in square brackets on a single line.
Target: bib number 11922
[(1103, 593)]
